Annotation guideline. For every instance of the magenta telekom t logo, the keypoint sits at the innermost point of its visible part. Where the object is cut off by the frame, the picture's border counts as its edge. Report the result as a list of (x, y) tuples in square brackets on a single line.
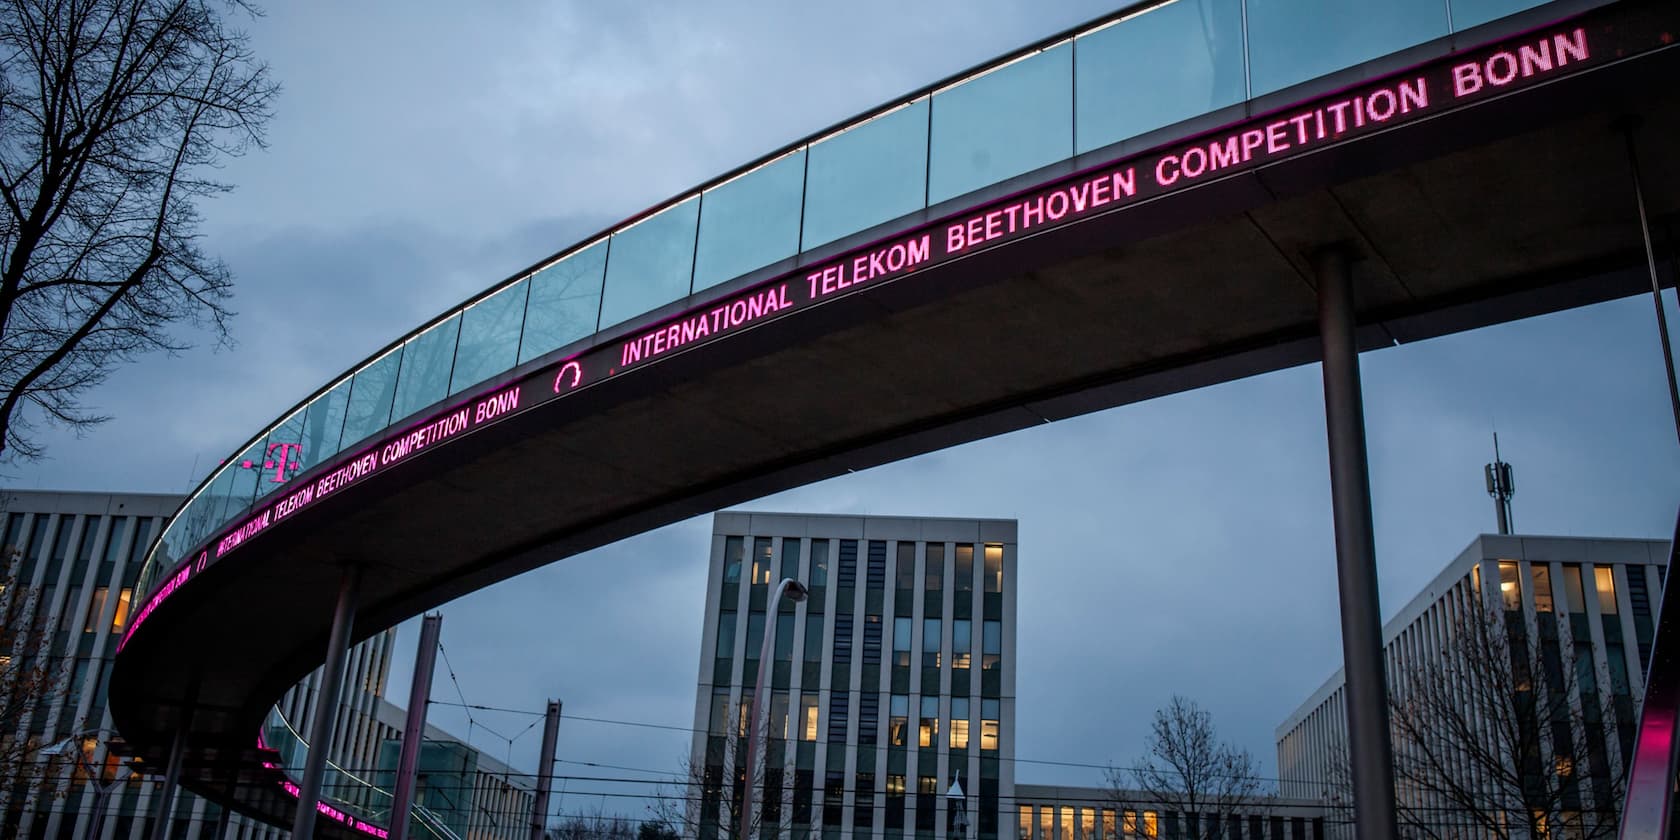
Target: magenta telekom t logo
[(285, 464)]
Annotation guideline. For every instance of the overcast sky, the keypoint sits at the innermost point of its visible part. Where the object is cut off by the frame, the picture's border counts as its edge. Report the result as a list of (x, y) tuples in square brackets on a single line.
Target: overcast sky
[(424, 150)]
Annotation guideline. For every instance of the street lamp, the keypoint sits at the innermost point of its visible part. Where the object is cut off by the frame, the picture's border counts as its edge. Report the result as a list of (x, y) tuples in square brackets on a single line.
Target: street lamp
[(100, 791), (795, 592)]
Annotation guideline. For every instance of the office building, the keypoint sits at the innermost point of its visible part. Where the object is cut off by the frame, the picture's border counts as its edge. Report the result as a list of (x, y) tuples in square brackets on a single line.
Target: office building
[(1574, 615), (894, 680), (71, 563)]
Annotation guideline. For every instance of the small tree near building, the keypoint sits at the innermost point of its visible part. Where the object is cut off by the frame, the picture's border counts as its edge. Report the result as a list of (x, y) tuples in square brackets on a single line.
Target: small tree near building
[(1190, 772)]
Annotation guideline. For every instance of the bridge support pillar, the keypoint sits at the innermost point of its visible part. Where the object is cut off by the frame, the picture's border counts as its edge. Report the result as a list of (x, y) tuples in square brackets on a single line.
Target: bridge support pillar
[(326, 704), (1370, 751), (172, 779), (414, 728)]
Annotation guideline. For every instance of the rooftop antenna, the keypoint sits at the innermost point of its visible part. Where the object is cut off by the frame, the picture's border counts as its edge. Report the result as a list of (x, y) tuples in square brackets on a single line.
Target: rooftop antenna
[(1500, 486)]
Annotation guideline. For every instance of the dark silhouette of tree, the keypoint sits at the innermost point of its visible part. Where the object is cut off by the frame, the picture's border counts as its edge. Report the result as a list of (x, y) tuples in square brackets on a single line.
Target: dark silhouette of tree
[(29, 684), (112, 114), (1189, 771)]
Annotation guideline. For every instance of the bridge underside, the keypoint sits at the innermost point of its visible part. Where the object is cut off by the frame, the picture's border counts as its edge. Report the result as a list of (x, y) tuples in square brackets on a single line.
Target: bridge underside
[(1511, 208)]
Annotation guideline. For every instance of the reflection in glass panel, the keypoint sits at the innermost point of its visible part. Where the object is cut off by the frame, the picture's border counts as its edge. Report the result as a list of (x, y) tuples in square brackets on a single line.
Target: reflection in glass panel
[(1542, 587), (1168, 64), (205, 513), (371, 391), (427, 359), (652, 263), (323, 424), (1468, 13), (247, 472), (869, 174), (489, 336), (1012, 120), (927, 729), (750, 222), (565, 300), (1291, 41), (282, 454)]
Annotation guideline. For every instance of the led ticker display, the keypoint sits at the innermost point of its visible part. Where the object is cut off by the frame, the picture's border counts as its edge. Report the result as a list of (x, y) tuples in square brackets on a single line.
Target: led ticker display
[(1449, 83)]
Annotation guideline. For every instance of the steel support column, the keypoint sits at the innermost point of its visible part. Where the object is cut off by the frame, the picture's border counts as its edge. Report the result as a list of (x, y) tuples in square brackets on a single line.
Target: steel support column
[(326, 704), (1651, 266), (172, 779), (545, 770), (414, 727), (1370, 751)]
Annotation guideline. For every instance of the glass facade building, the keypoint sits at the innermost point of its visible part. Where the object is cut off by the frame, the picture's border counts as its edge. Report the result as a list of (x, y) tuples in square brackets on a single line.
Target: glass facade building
[(1574, 615), (71, 562), (892, 681)]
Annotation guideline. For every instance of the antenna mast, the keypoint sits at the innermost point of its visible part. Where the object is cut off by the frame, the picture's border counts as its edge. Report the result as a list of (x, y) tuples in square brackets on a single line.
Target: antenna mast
[(1500, 486)]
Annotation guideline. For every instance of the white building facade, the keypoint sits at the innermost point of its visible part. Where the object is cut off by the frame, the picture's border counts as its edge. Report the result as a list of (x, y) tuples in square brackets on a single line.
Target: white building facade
[(894, 680)]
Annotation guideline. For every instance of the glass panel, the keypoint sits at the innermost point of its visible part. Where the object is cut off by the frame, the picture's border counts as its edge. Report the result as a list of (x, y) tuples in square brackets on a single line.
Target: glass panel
[(1606, 590), (207, 510), (1012, 120), (490, 336), (427, 359), (1168, 64), (371, 391), (994, 568), (732, 550), (323, 424), (726, 634), (1468, 13), (866, 175), (1292, 41), (927, 729), (565, 301), (819, 563), (1542, 587), (1509, 587), (1572, 589), (242, 490), (751, 221), (652, 263), (963, 575), (282, 455)]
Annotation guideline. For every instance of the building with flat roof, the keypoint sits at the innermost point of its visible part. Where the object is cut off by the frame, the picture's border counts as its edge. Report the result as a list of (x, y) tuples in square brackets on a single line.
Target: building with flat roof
[(71, 560), (1573, 615), (892, 681)]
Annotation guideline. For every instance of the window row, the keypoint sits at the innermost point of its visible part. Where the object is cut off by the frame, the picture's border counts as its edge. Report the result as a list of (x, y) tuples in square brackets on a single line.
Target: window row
[(933, 646), (802, 718), (1107, 84), (1079, 822), (767, 568)]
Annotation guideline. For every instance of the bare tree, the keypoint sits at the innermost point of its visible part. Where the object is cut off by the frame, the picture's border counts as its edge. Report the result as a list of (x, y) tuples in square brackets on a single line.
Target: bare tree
[(29, 686), (705, 801), (1189, 771), (111, 113), (1503, 735)]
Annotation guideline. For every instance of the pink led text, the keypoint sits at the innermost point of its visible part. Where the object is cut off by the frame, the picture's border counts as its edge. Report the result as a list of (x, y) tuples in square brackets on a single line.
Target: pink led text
[(1526, 61), (439, 430), (163, 592), (1051, 207), (721, 318), (878, 263), (251, 528)]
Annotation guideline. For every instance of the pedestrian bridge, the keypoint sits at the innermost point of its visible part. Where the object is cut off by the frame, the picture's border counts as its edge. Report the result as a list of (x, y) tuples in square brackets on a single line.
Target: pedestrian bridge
[(1126, 210)]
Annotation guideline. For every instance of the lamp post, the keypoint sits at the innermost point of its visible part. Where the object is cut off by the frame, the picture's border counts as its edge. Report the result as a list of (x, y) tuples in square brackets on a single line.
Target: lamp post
[(795, 592), (96, 819)]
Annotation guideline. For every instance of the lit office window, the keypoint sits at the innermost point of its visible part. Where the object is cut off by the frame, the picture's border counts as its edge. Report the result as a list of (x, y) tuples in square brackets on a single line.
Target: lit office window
[(1046, 822), (120, 619), (994, 567), (808, 716), (95, 608), (732, 549), (1026, 824), (991, 645), (778, 724), (1108, 825), (930, 643), (1510, 589), (901, 642), (989, 714), (1129, 822), (1087, 823), (928, 729), (720, 711), (898, 721), (959, 723), (962, 646), (761, 561), (1606, 583), (1151, 825), (745, 710), (1067, 822), (1542, 587)]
